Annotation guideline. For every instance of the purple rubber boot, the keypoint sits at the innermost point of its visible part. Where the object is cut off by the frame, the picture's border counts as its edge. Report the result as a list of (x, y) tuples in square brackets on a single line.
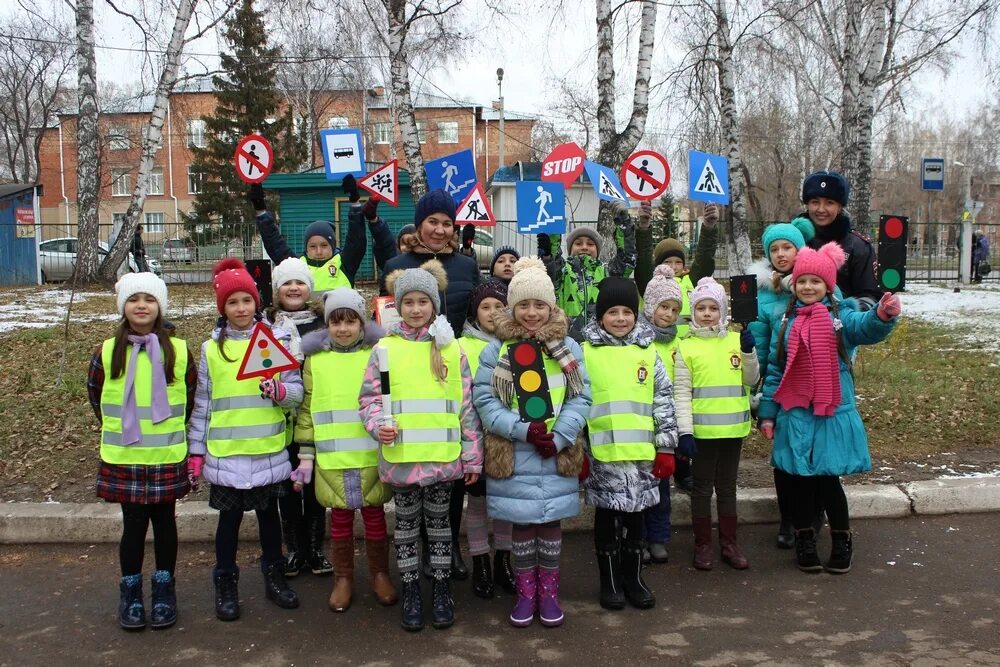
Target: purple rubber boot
[(523, 612), (549, 611)]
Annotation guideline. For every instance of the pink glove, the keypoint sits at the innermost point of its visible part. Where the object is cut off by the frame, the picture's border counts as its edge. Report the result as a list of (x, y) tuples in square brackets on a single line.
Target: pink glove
[(194, 464), (273, 389), (888, 307), (767, 428), (302, 475)]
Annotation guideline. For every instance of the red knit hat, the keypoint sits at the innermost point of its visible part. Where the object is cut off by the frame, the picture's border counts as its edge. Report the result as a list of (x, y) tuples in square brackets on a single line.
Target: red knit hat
[(230, 275), (823, 263)]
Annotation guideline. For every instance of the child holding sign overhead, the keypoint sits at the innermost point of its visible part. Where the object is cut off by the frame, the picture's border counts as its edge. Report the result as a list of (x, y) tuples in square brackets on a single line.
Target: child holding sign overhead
[(237, 432)]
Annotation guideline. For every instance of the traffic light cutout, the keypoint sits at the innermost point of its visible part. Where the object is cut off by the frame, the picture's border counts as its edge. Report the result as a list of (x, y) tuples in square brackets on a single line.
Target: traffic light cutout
[(530, 384), (892, 235)]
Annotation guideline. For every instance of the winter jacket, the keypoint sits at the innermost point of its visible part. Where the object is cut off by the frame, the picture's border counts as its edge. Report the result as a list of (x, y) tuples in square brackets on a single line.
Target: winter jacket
[(704, 256), (463, 276), (980, 249), (806, 444), (536, 493), (423, 473), (351, 488), (856, 278), (242, 471), (629, 486)]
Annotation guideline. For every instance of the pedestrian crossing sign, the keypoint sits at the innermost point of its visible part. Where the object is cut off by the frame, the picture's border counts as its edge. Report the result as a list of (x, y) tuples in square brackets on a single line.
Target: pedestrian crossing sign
[(708, 178), (605, 182)]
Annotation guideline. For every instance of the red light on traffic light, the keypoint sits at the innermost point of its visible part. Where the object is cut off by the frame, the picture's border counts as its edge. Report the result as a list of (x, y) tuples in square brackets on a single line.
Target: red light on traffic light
[(893, 228)]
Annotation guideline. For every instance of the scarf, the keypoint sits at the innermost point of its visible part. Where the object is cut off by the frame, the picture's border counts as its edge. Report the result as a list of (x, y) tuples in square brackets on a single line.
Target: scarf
[(159, 404), (812, 370), (289, 321)]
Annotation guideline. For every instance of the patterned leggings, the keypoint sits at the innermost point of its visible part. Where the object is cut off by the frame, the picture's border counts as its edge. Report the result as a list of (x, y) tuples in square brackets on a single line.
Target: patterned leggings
[(536, 545), (478, 531), (430, 502)]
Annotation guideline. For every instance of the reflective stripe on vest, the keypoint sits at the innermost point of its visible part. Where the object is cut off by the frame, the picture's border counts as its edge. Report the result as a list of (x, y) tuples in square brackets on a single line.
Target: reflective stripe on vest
[(323, 279), (158, 443), (242, 422), (557, 385), (720, 404), (428, 417), (620, 424), (338, 432), (473, 347)]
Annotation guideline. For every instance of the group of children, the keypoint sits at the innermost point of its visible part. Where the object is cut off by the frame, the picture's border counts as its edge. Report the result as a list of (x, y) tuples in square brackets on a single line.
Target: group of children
[(404, 413)]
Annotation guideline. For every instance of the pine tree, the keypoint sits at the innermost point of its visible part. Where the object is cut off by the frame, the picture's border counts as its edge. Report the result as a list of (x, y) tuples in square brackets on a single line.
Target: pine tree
[(667, 221), (247, 102)]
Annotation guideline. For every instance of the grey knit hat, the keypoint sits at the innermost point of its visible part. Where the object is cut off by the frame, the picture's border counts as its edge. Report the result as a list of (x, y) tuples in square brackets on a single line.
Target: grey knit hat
[(589, 232), (430, 279), (343, 297)]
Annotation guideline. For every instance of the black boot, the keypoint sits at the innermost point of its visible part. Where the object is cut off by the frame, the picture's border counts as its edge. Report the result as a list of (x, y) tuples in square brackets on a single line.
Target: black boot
[(443, 610), (315, 558), (227, 595), (164, 611), (131, 612), (503, 573), (276, 588), (458, 569), (841, 553), (294, 558), (413, 607), (612, 589), (636, 591), (786, 534), (805, 551), (482, 576)]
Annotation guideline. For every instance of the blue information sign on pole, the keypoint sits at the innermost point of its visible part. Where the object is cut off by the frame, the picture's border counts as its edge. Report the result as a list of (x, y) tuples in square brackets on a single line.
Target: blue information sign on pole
[(932, 174), (455, 174), (541, 207)]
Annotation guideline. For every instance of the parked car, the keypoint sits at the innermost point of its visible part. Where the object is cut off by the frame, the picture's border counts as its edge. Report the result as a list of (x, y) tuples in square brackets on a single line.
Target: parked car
[(58, 259), (483, 245), (177, 250)]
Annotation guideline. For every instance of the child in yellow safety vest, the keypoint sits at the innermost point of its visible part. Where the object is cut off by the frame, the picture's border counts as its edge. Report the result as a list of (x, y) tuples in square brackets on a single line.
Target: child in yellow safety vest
[(433, 437), (237, 432), (141, 385), (631, 434), (715, 371), (334, 450)]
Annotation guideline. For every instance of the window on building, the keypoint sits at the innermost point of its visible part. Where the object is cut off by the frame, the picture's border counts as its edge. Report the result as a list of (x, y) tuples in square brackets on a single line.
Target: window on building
[(422, 131), (120, 182), (448, 132), (383, 133), (196, 133), (153, 223), (336, 122), (196, 181), (118, 139), (154, 183)]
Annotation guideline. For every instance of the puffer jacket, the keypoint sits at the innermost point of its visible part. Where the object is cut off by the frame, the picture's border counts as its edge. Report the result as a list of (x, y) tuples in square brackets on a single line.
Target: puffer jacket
[(629, 486), (463, 276), (243, 471)]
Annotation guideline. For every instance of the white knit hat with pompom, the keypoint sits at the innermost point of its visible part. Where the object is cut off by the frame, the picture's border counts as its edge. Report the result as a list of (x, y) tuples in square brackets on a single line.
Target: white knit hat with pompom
[(530, 281)]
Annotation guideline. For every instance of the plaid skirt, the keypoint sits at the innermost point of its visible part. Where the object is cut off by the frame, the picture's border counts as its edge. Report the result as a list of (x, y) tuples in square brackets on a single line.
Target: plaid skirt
[(258, 498), (142, 484)]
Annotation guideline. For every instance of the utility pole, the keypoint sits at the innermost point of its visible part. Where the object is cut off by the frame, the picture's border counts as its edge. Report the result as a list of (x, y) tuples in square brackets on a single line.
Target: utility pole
[(500, 140), (965, 256)]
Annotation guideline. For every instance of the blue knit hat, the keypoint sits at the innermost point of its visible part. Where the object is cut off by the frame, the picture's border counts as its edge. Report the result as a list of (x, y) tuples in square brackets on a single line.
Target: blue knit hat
[(504, 250), (827, 184), (798, 232), (435, 201), (319, 228)]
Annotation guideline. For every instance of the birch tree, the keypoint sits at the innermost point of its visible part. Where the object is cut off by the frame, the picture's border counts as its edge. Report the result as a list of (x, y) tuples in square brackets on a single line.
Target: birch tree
[(88, 166)]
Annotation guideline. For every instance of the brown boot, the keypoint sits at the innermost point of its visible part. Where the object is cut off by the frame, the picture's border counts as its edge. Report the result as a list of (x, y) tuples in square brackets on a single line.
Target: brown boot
[(730, 549), (343, 568), (702, 527), (378, 567)]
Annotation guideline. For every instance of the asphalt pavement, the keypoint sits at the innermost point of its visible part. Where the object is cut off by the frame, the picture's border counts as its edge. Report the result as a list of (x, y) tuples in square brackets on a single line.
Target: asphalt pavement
[(923, 591)]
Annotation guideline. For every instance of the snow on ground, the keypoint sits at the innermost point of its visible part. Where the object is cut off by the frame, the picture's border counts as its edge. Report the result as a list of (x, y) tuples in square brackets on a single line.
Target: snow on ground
[(975, 307)]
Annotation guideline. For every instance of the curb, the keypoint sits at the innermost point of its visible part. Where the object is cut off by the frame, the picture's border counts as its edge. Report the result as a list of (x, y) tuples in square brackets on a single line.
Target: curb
[(32, 523)]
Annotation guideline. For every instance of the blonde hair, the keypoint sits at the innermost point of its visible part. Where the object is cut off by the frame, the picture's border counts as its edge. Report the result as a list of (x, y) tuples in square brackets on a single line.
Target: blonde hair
[(438, 368)]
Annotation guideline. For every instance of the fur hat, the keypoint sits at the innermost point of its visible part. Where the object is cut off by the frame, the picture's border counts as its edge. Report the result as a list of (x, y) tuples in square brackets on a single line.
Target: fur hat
[(798, 232), (344, 297), (823, 263), (322, 228), (708, 289), (503, 250), (434, 201), (430, 278), (589, 232), (229, 276), (615, 291), (668, 248), (661, 287), (827, 184), (291, 268), (530, 281), (141, 283), (495, 289)]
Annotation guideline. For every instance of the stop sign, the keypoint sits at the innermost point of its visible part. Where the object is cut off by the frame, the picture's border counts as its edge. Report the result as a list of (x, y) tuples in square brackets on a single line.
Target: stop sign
[(564, 164)]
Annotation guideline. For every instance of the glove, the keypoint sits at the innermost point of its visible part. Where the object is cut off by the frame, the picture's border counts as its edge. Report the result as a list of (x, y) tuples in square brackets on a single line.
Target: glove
[(302, 475), (543, 441), (351, 188), (468, 236), (888, 307), (194, 464), (664, 466), (544, 245), (255, 195), (767, 428), (645, 215), (584, 469), (685, 447), (711, 215), (370, 209), (746, 341), (273, 389)]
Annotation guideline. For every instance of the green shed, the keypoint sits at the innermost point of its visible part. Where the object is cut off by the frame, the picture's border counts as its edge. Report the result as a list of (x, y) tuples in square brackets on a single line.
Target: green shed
[(308, 196)]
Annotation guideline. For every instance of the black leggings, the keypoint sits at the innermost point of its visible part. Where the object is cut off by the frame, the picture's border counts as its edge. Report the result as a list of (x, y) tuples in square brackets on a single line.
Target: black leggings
[(135, 522), (609, 526), (227, 537), (828, 490)]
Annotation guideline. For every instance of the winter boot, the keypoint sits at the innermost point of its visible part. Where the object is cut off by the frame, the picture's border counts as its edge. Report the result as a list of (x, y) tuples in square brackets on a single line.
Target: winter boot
[(731, 553), (459, 571), (378, 568), (164, 603), (841, 553), (805, 551), (131, 612), (442, 606), (294, 558), (503, 573), (523, 612), (658, 553), (482, 577), (276, 588), (702, 527), (413, 607), (227, 594), (549, 611), (612, 588), (343, 583), (786, 534), (637, 592), (315, 558)]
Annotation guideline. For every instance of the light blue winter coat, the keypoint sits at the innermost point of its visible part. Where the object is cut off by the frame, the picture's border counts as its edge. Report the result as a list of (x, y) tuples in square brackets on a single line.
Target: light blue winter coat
[(807, 444)]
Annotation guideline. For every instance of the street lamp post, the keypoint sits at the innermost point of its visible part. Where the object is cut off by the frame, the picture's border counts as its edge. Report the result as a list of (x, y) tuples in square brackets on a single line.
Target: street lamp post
[(500, 140), (965, 256)]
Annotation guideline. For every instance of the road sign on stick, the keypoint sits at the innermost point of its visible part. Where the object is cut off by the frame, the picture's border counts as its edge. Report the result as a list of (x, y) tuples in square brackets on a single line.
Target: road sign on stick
[(455, 174), (708, 177), (476, 209), (265, 356), (605, 182), (253, 159), (383, 183), (645, 175), (564, 164), (541, 207), (343, 153)]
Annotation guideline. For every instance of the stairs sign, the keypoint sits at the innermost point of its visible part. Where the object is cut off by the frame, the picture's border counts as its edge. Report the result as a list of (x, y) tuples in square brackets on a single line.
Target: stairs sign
[(708, 177)]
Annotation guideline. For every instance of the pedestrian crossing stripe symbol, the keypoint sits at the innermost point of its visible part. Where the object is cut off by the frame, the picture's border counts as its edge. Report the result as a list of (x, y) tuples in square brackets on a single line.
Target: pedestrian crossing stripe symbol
[(605, 182), (708, 177), (708, 181), (608, 188)]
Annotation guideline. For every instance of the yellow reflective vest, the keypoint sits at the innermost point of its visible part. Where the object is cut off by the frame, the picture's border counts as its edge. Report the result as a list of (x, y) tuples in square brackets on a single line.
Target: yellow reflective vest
[(338, 432), (427, 411), (557, 384), (620, 424), (720, 403), (159, 444), (328, 276), (473, 347), (684, 282), (666, 352)]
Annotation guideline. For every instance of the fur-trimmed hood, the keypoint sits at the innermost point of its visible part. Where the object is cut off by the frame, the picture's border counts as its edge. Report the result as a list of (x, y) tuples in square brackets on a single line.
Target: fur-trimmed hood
[(764, 272), (320, 341), (556, 328)]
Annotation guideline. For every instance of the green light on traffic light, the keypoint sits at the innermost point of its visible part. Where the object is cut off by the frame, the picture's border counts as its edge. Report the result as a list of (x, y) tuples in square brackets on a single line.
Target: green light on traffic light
[(890, 278)]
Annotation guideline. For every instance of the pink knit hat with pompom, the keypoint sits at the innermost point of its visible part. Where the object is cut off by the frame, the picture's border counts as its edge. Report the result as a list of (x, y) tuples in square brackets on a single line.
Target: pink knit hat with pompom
[(660, 288), (823, 263), (707, 288)]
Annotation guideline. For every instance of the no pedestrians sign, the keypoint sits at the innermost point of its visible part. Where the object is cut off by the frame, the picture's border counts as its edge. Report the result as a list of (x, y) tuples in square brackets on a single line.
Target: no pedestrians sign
[(253, 159)]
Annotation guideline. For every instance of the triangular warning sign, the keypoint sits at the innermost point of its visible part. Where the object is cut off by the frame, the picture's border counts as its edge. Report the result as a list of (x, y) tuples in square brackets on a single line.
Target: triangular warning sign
[(708, 182), (608, 188), (383, 183), (265, 356), (476, 209)]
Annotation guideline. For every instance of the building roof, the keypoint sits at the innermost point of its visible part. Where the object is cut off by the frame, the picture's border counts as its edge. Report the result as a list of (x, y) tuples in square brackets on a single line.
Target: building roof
[(423, 101), (9, 189), (494, 114), (524, 171)]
